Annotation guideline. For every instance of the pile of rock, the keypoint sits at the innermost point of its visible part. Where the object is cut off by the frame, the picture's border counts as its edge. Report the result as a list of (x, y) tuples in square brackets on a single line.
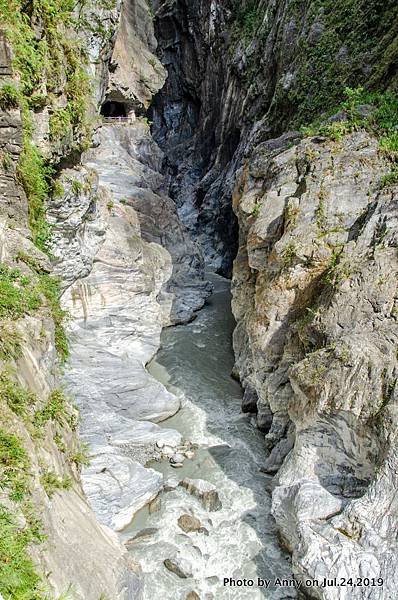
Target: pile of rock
[(176, 454)]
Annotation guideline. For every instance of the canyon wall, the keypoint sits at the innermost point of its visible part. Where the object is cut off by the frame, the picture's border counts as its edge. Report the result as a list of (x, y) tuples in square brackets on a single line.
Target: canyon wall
[(85, 217), (251, 118), (103, 236)]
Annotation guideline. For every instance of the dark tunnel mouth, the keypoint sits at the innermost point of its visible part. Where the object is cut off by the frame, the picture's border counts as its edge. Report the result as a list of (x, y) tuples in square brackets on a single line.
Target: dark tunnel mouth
[(112, 108)]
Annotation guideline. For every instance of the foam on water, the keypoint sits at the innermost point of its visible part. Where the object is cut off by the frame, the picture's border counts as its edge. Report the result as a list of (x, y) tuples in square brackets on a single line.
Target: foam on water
[(195, 362)]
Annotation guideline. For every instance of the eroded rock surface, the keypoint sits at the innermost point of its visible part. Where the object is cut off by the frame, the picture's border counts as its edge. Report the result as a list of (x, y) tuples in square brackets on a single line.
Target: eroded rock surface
[(315, 300), (128, 268)]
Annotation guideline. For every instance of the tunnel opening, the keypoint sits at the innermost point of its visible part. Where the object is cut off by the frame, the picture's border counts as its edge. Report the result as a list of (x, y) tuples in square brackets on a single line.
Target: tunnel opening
[(111, 108)]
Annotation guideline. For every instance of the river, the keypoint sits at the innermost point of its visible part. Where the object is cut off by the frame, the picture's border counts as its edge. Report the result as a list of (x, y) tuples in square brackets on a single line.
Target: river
[(239, 541)]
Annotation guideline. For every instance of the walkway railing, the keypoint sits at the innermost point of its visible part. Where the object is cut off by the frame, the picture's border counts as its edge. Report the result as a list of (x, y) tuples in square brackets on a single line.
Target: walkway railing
[(114, 120)]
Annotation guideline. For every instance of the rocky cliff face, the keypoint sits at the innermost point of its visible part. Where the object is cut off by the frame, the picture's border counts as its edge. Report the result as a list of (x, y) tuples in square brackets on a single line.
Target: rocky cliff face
[(92, 211), (44, 514), (125, 266), (243, 72), (315, 300), (314, 279)]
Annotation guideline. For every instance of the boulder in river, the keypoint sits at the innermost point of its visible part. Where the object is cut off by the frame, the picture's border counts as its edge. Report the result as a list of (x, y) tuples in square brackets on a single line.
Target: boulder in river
[(192, 596), (140, 536), (155, 505), (189, 523), (177, 459), (179, 566), (203, 490)]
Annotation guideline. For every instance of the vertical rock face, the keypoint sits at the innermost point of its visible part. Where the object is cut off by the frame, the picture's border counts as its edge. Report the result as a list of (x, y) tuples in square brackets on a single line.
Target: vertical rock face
[(192, 115), (243, 72), (27, 350), (129, 268), (313, 281), (315, 299)]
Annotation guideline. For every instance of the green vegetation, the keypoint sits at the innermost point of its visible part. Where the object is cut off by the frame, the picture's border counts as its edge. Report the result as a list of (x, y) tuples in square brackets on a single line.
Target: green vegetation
[(331, 44), (320, 212), (51, 482), (10, 341), (55, 410), (50, 288), (9, 97), (354, 34), (292, 213), (34, 175), (289, 254), (18, 399), (81, 456), (390, 179), (246, 19), (338, 269), (18, 577), (14, 466), (381, 119), (19, 295), (46, 56), (256, 210)]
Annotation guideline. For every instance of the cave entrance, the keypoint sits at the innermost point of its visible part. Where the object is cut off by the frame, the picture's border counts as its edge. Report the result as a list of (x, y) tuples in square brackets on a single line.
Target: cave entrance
[(111, 108)]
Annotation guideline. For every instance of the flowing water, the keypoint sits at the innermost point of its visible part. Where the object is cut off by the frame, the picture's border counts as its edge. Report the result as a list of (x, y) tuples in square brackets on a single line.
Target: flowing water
[(195, 362)]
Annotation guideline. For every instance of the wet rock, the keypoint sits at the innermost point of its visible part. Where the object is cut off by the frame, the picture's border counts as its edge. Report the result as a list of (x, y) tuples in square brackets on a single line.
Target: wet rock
[(155, 505), (168, 451), (189, 454), (179, 566), (141, 535), (192, 596), (250, 399), (177, 459), (189, 523), (203, 490), (171, 484)]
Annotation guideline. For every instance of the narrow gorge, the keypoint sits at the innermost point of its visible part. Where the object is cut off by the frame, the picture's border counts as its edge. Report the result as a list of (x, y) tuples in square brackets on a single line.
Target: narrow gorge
[(198, 299)]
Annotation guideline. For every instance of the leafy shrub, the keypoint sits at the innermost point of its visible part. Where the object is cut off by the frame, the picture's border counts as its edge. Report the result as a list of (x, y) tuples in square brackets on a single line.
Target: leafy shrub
[(9, 97)]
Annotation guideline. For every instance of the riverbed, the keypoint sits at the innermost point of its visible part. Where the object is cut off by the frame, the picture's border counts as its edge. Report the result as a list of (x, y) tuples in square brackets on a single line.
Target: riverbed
[(238, 541)]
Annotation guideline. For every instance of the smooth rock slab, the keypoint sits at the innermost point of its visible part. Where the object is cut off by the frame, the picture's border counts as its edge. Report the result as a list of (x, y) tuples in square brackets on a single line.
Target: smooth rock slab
[(118, 487), (203, 490)]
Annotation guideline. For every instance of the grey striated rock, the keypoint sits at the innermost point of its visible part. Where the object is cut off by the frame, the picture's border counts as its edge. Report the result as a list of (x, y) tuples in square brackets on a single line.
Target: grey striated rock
[(128, 268), (72, 532), (135, 72), (314, 294), (144, 534)]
